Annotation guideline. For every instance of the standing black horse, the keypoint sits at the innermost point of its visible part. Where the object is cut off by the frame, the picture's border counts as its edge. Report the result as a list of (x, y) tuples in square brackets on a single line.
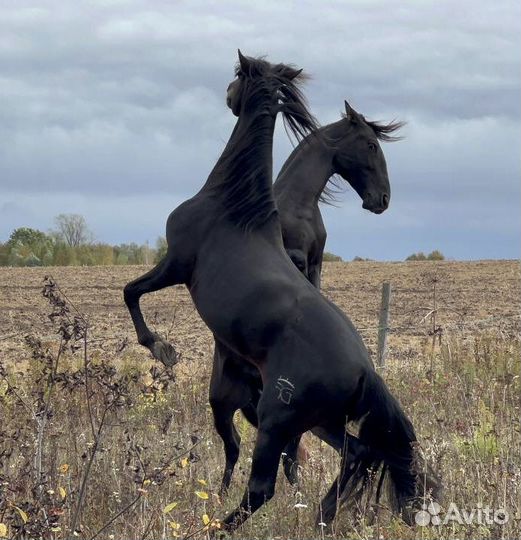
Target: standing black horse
[(349, 148), (226, 245)]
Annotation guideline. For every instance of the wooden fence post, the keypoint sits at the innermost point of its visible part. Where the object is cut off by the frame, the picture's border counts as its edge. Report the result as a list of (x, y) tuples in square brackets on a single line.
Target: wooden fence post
[(383, 324)]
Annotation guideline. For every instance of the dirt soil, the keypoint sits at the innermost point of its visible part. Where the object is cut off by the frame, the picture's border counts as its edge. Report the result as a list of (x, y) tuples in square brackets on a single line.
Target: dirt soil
[(480, 295)]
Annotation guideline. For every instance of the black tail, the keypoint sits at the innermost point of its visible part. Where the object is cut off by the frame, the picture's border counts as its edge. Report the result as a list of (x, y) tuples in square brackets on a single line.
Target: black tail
[(390, 442)]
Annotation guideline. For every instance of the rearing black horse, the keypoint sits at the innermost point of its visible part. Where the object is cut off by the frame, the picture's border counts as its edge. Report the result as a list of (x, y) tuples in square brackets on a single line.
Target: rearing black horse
[(225, 244), (349, 148)]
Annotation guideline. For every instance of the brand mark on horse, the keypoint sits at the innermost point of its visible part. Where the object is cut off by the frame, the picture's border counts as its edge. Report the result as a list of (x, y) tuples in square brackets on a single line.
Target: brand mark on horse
[(286, 389)]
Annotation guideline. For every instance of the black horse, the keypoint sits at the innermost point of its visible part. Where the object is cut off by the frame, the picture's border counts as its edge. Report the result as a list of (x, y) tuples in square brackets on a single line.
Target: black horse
[(225, 244), (349, 148)]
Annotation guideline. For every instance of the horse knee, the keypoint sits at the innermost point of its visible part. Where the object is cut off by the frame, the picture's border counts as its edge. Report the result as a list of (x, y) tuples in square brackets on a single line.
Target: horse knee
[(223, 422), (129, 293), (221, 409), (216, 399)]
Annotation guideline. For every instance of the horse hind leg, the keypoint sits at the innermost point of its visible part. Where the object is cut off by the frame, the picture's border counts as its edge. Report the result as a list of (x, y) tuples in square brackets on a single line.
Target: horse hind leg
[(291, 456), (291, 459), (261, 485), (230, 390), (250, 413), (161, 276), (223, 421), (279, 422)]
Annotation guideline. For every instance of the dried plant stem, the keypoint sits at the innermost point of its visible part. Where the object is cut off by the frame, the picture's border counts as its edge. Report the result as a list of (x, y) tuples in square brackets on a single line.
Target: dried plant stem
[(120, 513), (86, 474)]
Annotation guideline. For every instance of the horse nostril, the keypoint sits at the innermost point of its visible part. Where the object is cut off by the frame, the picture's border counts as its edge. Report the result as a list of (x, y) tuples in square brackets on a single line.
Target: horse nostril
[(385, 200)]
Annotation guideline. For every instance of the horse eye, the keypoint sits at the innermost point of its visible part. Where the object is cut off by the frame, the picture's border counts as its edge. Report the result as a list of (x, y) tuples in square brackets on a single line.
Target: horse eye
[(372, 147)]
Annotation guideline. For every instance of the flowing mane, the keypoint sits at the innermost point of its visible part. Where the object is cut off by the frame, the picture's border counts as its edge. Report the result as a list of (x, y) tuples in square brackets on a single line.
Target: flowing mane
[(383, 131), (244, 170)]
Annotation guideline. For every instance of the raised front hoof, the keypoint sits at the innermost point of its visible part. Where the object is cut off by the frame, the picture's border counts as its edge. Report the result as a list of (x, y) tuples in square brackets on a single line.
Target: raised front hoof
[(165, 353)]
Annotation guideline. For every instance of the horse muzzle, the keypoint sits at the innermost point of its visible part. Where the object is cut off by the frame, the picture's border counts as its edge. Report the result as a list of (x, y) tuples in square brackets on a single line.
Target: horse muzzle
[(376, 204)]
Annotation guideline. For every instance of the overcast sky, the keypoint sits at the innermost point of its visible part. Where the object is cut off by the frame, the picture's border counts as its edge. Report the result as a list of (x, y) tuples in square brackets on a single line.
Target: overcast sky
[(115, 109)]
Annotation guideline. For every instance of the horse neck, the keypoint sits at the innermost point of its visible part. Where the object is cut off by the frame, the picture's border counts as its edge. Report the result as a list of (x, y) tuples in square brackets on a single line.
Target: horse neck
[(306, 172), (243, 174)]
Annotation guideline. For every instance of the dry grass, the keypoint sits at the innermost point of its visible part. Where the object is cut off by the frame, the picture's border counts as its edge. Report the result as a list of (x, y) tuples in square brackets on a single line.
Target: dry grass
[(157, 446)]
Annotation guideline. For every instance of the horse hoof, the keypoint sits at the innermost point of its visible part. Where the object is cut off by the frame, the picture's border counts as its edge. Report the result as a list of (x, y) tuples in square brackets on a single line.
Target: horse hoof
[(165, 353)]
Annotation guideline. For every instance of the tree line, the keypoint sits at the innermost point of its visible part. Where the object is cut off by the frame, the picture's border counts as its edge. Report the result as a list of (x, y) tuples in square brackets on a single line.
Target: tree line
[(71, 243)]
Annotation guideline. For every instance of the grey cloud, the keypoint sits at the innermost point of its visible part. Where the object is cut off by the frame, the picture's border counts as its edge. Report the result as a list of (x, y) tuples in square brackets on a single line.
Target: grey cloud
[(120, 100)]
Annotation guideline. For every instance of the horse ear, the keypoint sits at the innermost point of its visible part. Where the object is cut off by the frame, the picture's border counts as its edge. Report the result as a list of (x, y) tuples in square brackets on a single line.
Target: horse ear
[(350, 112), (244, 62), (292, 73)]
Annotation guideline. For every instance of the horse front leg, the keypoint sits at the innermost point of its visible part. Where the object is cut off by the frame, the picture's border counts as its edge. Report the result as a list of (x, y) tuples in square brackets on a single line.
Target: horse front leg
[(161, 276), (279, 423)]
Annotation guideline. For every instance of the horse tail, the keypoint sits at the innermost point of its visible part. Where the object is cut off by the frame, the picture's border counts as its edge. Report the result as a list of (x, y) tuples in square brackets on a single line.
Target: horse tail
[(390, 443)]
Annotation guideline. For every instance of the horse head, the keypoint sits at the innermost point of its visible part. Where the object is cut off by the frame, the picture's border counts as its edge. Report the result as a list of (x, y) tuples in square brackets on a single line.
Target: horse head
[(281, 81), (359, 159)]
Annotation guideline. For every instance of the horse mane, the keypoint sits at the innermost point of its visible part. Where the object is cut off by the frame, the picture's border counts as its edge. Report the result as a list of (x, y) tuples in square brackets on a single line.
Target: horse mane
[(332, 189), (383, 132), (248, 197)]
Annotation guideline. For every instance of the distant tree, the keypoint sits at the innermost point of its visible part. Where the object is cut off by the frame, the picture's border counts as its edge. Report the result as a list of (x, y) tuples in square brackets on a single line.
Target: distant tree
[(436, 256), (136, 254), (120, 255), (4, 254), (432, 256), (32, 260), (72, 229), (331, 257), (161, 248), (420, 256), (104, 255), (361, 259), (27, 237), (64, 255), (147, 253), (29, 246), (130, 254)]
